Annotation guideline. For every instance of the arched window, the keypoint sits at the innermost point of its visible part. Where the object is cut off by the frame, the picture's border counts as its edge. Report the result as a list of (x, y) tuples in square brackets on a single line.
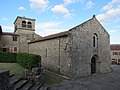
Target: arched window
[(29, 25), (23, 23), (95, 40)]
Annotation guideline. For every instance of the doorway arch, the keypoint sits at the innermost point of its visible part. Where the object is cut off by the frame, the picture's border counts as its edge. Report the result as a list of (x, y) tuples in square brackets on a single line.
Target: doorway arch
[(94, 64)]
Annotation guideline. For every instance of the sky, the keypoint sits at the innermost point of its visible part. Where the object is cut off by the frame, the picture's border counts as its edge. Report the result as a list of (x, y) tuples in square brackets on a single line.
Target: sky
[(53, 16)]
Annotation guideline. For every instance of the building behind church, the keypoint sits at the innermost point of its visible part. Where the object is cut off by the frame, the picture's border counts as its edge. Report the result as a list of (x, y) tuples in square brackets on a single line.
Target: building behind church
[(24, 32), (81, 51), (115, 53)]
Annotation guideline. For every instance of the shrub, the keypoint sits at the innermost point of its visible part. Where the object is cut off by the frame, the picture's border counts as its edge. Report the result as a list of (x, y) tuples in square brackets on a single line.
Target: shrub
[(28, 61), (8, 57)]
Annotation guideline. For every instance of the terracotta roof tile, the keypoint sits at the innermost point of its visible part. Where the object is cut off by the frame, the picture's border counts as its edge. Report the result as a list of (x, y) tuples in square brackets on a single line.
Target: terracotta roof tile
[(115, 47), (61, 34), (8, 33)]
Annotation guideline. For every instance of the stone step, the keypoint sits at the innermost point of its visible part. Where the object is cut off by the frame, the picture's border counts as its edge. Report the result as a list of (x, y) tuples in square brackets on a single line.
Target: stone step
[(14, 80), (20, 84), (37, 86), (44, 87), (27, 86), (11, 75)]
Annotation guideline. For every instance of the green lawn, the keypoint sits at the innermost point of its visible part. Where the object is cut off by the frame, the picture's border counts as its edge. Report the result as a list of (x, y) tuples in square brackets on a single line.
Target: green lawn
[(50, 77), (13, 67)]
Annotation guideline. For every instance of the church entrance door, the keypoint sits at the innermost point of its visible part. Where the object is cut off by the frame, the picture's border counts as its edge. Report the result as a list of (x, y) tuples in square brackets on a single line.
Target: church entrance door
[(93, 65)]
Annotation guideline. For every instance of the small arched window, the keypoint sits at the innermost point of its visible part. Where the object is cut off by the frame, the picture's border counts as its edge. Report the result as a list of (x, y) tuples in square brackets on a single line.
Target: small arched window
[(95, 40), (29, 25), (23, 23)]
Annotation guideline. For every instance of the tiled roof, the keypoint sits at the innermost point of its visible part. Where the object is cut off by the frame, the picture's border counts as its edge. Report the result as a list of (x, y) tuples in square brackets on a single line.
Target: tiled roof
[(61, 34), (8, 33), (115, 47)]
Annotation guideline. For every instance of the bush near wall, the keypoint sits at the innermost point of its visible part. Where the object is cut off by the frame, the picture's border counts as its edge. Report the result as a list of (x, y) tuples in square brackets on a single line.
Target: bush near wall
[(28, 61), (8, 57)]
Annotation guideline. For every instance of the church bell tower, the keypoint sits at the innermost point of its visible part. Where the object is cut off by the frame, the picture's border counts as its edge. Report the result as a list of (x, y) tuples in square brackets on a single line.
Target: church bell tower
[(25, 28)]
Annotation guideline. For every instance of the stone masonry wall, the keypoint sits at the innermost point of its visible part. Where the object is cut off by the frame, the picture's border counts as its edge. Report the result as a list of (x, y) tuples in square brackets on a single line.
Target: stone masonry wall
[(54, 54), (7, 42), (72, 55), (4, 80), (82, 50), (25, 37)]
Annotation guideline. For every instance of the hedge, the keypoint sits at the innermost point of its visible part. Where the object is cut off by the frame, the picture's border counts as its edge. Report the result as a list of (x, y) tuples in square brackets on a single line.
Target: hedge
[(28, 61), (8, 57)]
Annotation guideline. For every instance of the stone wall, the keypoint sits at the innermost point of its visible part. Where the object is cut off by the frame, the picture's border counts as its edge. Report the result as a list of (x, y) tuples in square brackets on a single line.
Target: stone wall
[(6, 41), (26, 36), (82, 50), (4, 80), (18, 22), (72, 55), (54, 54)]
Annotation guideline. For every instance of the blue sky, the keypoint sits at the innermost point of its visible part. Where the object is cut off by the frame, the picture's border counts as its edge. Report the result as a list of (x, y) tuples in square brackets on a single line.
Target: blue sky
[(53, 16)]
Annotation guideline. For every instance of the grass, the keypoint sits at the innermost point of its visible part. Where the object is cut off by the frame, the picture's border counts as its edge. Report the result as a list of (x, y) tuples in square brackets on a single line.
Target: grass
[(13, 67), (52, 78)]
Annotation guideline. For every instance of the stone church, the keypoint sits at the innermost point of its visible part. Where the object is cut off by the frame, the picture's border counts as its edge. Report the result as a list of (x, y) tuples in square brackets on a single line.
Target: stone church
[(81, 51), (78, 52)]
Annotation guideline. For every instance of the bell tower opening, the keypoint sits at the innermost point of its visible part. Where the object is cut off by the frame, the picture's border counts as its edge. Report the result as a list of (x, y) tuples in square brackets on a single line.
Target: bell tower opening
[(23, 24)]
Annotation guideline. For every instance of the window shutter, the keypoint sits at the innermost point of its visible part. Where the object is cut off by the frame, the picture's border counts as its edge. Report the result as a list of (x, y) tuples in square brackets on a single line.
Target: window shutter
[(7, 49)]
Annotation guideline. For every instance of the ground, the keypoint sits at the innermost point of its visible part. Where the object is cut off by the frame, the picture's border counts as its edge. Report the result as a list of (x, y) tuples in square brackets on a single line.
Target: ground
[(51, 78), (109, 81), (13, 67)]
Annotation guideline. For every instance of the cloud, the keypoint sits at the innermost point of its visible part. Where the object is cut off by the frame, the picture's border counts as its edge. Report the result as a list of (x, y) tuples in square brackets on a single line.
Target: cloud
[(117, 27), (111, 12), (109, 16), (68, 1), (112, 31), (5, 19), (21, 8), (110, 4), (7, 28), (48, 28), (89, 4), (60, 9), (67, 15), (38, 5)]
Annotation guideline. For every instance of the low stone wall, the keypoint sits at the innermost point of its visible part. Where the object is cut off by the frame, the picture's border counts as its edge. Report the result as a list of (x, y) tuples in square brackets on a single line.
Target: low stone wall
[(4, 80)]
